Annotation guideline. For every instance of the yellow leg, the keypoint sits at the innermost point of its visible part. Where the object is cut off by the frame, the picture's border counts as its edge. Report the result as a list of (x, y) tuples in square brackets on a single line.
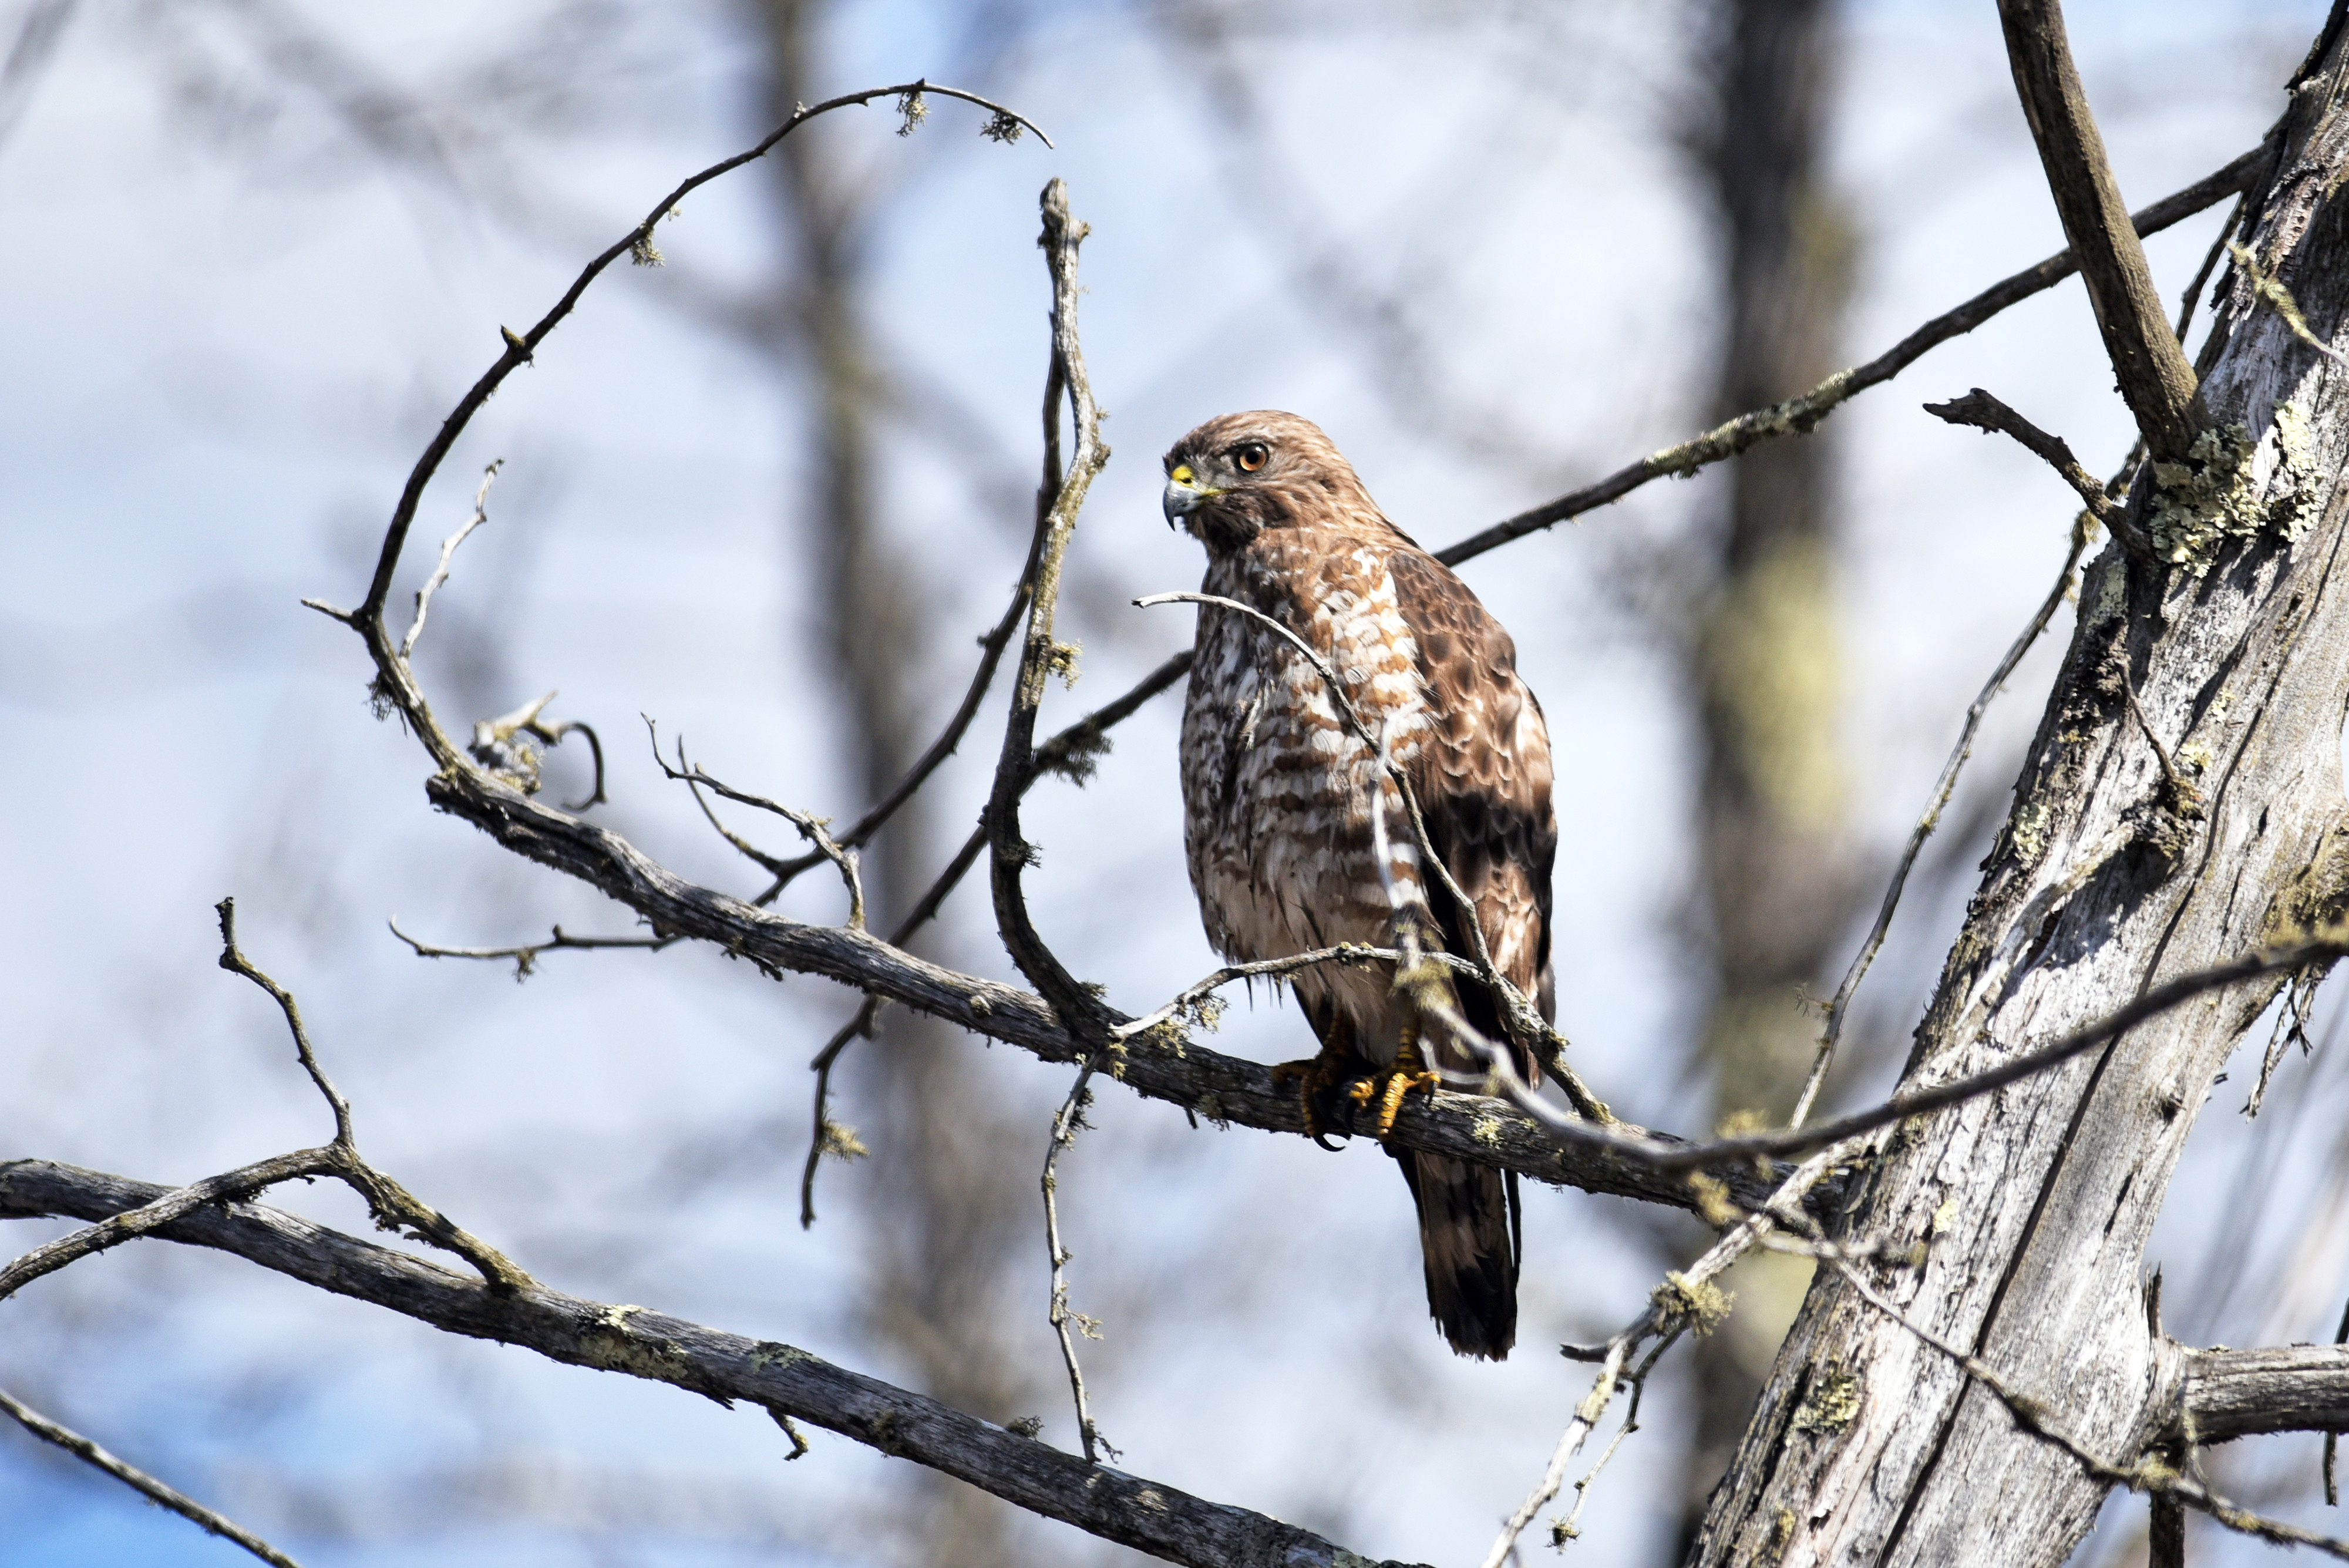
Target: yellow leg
[(1409, 1073)]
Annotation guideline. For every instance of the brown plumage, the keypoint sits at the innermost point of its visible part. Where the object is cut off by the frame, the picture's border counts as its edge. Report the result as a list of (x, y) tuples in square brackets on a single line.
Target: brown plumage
[(1278, 791)]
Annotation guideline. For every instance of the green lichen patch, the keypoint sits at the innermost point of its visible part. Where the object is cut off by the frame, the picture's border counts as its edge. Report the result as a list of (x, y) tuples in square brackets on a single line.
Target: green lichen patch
[(1700, 1302), (2200, 502), (2030, 831), (1831, 1404), (2215, 496)]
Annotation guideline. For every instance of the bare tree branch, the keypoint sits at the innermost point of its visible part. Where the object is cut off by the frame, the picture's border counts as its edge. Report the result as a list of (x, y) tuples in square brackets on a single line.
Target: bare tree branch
[(1148, 1516), (2230, 1394), (139, 1480), (1992, 417), (1058, 498), (1799, 414), (2154, 375)]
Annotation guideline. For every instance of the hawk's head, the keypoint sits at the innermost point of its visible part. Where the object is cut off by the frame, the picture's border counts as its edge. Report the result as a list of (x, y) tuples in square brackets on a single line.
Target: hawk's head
[(1241, 473)]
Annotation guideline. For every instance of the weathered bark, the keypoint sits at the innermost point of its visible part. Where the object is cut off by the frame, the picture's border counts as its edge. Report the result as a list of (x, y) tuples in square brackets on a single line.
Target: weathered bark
[(1763, 655), (639, 1342), (2113, 873)]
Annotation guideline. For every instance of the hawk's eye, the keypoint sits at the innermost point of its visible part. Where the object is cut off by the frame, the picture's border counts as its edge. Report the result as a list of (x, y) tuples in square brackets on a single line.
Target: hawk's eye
[(1252, 456)]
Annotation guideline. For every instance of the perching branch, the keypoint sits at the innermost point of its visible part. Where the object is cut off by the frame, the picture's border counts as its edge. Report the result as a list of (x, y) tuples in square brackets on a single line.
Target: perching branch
[(1148, 1516), (2155, 378)]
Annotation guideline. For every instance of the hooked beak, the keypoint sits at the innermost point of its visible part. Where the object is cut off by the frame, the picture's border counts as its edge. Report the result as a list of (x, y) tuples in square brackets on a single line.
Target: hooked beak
[(1184, 494)]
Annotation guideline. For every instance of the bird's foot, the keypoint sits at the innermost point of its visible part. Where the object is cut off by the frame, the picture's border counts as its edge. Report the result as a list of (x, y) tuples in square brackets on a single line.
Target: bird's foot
[(1386, 1087), (1323, 1083)]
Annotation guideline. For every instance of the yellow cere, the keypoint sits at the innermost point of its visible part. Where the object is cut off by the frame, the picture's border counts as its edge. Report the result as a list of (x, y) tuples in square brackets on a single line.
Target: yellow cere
[(1182, 474)]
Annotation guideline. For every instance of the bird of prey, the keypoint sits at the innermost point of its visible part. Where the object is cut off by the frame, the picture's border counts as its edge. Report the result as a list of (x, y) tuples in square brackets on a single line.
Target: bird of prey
[(1282, 803)]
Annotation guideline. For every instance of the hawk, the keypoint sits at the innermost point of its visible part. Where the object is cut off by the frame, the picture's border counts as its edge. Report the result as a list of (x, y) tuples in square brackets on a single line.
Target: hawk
[(1280, 796)]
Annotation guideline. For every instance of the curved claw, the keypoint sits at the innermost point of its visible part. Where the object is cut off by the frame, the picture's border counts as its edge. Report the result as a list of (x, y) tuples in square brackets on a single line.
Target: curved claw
[(1321, 1078)]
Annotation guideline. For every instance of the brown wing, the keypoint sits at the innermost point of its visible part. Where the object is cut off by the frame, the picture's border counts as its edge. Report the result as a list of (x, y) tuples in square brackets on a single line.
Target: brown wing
[(1482, 781)]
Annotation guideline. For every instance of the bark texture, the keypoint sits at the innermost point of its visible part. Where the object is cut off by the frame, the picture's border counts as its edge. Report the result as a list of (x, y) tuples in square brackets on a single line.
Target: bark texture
[(2182, 802)]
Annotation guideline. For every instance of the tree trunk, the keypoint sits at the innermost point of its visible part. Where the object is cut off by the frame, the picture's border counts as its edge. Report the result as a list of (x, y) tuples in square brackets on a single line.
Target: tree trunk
[(2182, 802), (1763, 656)]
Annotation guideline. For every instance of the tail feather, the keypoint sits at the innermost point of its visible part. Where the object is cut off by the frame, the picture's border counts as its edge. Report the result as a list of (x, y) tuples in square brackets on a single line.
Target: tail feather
[(1468, 1238)]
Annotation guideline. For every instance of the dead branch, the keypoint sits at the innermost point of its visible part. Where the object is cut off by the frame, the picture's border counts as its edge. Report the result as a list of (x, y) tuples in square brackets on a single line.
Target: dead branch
[(448, 554), (1066, 1124), (1992, 417), (1148, 1516), (2155, 378), (2230, 1394), (1799, 415), (1060, 497), (139, 1480), (525, 955)]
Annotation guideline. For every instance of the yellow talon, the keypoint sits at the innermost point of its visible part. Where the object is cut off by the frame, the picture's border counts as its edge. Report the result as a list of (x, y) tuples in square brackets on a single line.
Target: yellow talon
[(1408, 1073)]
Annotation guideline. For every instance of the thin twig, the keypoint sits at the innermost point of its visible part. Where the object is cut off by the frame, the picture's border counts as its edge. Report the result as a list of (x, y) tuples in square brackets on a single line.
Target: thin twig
[(991, 656), (393, 1207), (830, 1137), (2193, 295), (811, 827), (1839, 1009), (1992, 417), (2331, 1439), (448, 552), (2280, 958), (1189, 998), (139, 1480), (1799, 415), (525, 955), (1686, 1299), (1065, 1128)]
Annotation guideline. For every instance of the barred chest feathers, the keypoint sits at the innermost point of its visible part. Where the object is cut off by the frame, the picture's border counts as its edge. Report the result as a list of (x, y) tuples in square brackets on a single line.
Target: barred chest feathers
[(1278, 789)]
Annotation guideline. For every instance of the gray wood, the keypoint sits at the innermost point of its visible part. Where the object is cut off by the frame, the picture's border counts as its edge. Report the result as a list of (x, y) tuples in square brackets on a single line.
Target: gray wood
[(2111, 876), (642, 1343)]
